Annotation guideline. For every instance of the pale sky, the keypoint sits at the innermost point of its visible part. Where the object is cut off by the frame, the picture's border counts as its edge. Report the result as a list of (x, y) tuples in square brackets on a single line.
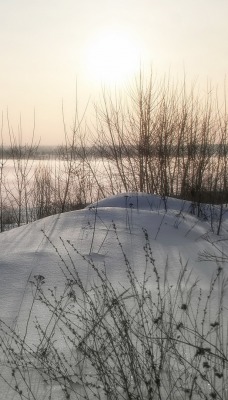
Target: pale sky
[(48, 45)]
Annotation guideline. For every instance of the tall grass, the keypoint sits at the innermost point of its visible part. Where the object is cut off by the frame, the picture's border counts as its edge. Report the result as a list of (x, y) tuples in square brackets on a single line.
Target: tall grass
[(144, 339)]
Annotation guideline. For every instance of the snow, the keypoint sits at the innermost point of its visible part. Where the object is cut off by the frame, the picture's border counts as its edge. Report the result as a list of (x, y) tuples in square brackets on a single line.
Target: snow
[(174, 233)]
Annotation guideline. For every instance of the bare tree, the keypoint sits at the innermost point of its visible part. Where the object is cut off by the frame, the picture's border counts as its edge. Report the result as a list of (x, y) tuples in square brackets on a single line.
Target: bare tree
[(23, 156)]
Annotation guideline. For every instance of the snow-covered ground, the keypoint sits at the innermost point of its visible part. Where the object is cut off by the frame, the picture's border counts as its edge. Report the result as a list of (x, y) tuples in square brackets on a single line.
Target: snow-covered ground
[(175, 234)]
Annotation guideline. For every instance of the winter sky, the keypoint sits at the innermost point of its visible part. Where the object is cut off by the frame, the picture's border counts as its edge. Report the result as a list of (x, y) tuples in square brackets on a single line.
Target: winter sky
[(48, 45)]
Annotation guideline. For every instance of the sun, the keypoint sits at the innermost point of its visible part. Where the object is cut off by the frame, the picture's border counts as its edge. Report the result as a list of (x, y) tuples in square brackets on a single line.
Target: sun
[(112, 57)]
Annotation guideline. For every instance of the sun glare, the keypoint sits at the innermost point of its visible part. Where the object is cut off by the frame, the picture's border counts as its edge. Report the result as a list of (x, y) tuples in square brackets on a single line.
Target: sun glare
[(112, 57)]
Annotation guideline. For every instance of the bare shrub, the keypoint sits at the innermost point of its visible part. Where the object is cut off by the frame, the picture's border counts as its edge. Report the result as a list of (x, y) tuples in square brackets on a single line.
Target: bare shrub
[(161, 138), (158, 136)]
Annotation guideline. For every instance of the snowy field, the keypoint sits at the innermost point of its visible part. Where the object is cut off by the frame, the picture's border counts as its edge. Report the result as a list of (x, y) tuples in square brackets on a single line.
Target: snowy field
[(177, 237)]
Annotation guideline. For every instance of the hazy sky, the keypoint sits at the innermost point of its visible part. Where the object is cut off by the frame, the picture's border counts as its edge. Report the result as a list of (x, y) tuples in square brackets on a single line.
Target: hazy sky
[(48, 45)]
